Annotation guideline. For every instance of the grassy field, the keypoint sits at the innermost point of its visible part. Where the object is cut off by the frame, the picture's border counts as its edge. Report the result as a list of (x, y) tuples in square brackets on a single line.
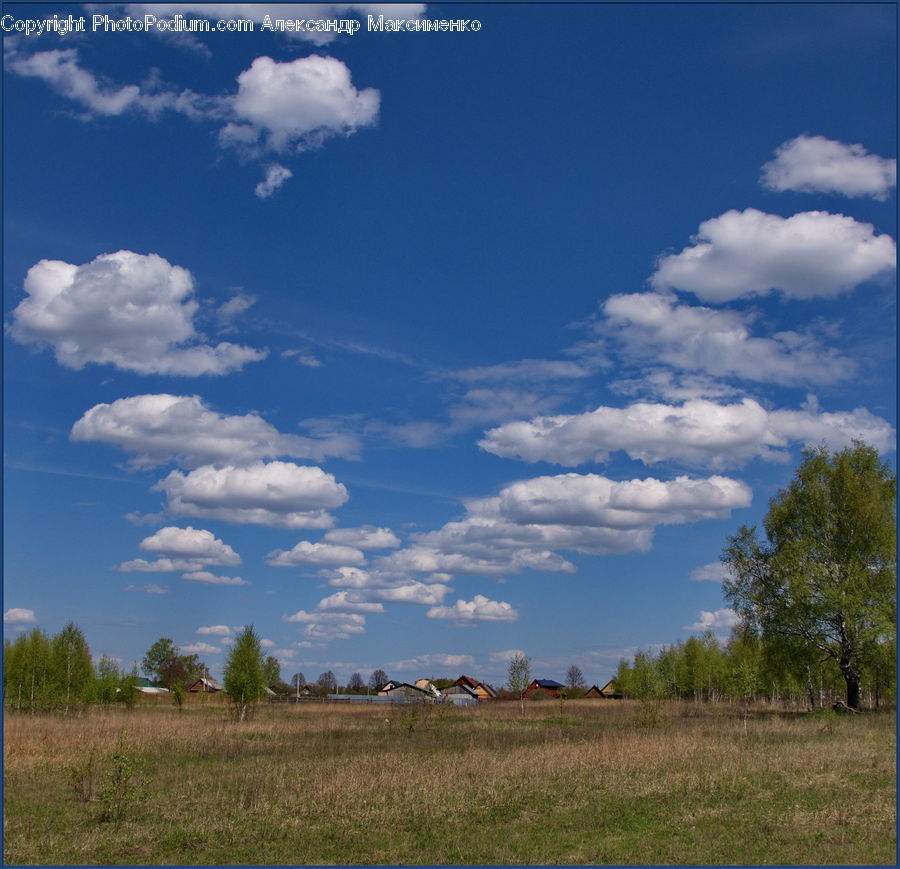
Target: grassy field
[(587, 782)]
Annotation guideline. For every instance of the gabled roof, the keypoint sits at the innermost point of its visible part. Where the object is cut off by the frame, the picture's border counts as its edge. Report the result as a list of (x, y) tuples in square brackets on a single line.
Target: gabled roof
[(406, 686), (209, 684), (471, 683), (459, 688), (548, 683)]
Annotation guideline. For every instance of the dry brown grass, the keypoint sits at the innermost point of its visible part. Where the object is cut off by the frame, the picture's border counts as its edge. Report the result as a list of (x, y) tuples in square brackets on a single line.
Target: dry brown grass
[(579, 783)]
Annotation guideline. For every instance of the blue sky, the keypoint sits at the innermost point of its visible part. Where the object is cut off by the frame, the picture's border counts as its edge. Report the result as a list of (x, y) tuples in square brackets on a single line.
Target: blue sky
[(417, 348)]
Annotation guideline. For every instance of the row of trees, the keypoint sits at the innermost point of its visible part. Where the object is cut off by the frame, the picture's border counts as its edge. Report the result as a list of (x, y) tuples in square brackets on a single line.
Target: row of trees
[(327, 683), (43, 673), (748, 668), (56, 673)]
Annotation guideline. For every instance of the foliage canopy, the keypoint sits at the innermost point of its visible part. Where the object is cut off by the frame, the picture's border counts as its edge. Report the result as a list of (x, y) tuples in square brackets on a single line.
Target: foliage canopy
[(824, 577)]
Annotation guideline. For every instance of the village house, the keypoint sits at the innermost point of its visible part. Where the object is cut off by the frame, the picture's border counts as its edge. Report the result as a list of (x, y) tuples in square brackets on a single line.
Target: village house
[(481, 690), (206, 686), (552, 688), (403, 689), (145, 686)]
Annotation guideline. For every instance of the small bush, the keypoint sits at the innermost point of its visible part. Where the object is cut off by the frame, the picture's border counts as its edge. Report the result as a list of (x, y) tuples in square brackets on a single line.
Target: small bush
[(123, 785)]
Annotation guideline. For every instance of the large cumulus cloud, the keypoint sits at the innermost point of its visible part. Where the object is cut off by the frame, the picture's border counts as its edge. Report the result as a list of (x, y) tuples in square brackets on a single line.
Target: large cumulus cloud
[(698, 432), (132, 311), (278, 494), (813, 254), (162, 428)]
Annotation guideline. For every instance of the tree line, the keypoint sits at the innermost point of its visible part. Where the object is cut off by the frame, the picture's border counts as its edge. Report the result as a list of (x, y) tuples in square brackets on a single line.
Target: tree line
[(749, 668), (815, 591), (43, 673)]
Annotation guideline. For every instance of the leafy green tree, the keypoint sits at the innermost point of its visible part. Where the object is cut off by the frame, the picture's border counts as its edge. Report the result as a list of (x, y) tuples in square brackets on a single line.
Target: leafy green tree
[(71, 667), (27, 676), (183, 670), (825, 573), (165, 664), (245, 676), (623, 677), (157, 656), (127, 689), (106, 681), (272, 671)]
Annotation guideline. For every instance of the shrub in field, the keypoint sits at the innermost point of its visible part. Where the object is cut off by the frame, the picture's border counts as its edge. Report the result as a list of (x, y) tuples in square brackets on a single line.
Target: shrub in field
[(178, 696), (123, 785)]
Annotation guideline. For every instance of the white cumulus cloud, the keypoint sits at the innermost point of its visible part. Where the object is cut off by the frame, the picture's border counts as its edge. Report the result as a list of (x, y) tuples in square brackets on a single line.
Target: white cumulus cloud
[(589, 499), (279, 107), (410, 591), (322, 554), (278, 494), (813, 254), (723, 619), (698, 432), (715, 571), (194, 543), (125, 309), (654, 328), (814, 164), (296, 105), (479, 609), (158, 429), (200, 649), (208, 578), (346, 602), (527, 521), (326, 626), (434, 661), (19, 616), (366, 537), (214, 630)]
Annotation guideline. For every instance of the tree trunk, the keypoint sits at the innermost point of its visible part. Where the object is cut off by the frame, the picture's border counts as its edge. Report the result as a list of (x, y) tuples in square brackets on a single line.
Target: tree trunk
[(851, 677)]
